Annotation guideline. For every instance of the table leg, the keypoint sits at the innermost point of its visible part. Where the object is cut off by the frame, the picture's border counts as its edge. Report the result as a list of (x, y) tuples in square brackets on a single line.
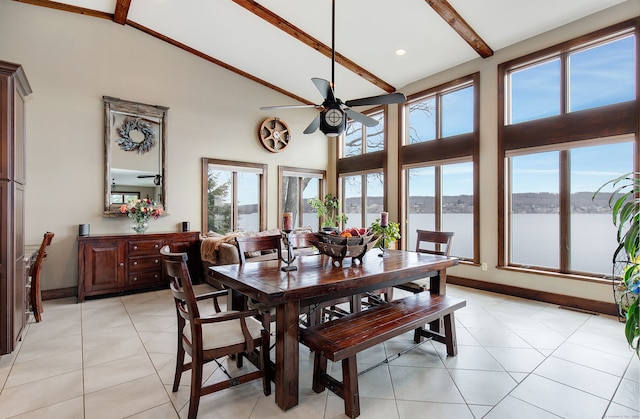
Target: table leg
[(287, 354)]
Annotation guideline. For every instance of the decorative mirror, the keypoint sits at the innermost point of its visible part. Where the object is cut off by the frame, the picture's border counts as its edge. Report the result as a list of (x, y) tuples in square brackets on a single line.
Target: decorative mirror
[(134, 150)]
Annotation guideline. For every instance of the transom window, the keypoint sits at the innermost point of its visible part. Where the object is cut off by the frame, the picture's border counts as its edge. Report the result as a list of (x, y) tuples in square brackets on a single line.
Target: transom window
[(360, 139)]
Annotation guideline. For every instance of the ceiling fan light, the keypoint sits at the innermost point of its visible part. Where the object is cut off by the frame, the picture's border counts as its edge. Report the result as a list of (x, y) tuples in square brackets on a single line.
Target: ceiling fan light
[(400, 52)]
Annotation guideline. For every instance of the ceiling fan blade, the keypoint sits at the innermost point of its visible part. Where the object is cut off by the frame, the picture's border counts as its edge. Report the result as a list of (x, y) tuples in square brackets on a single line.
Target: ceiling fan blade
[(363, 119), (313, 126), (266, 108), (378, 100), (325, 89)]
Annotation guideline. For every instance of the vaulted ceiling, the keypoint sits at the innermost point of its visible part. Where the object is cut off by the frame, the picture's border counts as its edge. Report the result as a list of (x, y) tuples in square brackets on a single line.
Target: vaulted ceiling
[(284, 43)]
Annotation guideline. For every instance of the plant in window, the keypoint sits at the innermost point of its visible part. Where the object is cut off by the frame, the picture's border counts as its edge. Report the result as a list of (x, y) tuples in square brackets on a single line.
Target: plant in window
[(392, 232), (328, 210), (625, 206)]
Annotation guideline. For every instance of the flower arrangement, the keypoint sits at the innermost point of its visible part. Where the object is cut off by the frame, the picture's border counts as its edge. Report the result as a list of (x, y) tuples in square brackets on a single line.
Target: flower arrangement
[(625, 205), (141, 211), (392, 232)]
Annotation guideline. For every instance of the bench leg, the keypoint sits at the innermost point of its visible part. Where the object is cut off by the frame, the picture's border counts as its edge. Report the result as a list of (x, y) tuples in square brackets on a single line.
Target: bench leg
[(450, 335), (350, 381), (319, 370)]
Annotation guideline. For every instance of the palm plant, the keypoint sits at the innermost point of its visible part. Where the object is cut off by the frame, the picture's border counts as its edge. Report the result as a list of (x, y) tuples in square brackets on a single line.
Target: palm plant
[(625, 205)]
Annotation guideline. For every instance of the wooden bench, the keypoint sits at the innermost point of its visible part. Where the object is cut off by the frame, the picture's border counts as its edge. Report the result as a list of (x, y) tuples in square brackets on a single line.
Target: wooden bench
[(343, 338)]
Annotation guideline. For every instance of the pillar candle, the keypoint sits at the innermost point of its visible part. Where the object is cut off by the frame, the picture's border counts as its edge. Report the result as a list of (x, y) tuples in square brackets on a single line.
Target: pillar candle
[(384, 219), (287, 221)]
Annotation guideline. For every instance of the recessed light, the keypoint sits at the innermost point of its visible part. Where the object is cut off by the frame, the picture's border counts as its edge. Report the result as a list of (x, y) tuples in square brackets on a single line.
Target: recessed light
[(400, 51)]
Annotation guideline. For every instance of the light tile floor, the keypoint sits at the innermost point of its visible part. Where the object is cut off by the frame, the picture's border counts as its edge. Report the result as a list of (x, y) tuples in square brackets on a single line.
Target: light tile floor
[(114, 358)]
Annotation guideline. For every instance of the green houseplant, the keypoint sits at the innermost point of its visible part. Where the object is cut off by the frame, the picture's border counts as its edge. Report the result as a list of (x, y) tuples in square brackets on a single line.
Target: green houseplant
[(392, 232), (328, 211), (625, 205)]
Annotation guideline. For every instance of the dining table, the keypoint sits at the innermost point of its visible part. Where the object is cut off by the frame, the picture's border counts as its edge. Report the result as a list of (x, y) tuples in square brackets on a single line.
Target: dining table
[(317, 279)]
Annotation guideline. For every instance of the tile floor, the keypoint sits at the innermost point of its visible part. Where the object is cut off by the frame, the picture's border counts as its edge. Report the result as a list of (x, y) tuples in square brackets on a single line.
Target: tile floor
[(114, 358)]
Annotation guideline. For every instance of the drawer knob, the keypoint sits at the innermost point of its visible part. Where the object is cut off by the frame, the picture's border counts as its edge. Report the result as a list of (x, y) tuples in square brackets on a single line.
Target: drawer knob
[(121, 263), (135, 279), (156, 246), (156, 261), (135, 263), (135, 247)]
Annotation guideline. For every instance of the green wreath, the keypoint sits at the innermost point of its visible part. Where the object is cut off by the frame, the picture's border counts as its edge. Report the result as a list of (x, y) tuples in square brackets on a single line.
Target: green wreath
[(136, 124)]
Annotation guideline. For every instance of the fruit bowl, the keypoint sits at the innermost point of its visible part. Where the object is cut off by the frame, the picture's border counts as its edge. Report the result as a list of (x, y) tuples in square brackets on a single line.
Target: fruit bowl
[(340, 247)]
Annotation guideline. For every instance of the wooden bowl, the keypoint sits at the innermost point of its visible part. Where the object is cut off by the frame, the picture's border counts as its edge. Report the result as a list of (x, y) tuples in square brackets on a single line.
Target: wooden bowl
[(339, 247)]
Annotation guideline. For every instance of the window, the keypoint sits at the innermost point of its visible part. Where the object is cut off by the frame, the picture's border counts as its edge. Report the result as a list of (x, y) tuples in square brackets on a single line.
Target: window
[(441, 198), (360, 139), (363, 198), (233, 196), (439, 163), (123, 197), (538, 216), (442, 114), (296, 187), (568, 125)]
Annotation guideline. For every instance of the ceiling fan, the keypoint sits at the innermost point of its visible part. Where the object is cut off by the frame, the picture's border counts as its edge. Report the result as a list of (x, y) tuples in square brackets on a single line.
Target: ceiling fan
[(156, 178), (332, 119)]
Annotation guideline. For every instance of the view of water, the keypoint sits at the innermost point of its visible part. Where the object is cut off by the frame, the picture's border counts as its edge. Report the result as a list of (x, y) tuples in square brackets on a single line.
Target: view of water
[(534, 237)]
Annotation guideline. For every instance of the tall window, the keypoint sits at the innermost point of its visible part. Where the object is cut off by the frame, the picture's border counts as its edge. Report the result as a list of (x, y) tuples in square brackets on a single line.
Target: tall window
[(363, 198), (296, 187), (439, 162), (233, 196), (569, 124)]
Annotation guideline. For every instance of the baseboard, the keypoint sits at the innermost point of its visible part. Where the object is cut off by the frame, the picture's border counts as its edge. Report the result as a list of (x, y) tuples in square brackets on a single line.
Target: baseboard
[(59, 293), (547, 297)]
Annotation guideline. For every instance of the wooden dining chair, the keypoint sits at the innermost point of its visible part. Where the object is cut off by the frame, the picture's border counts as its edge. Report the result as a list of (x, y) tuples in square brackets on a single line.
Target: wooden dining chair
[(265, 247), (206, 338), (435, 243), (35, 296)]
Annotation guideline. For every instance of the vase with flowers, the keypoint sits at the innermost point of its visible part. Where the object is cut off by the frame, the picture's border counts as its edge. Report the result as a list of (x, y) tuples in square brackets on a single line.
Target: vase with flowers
[(141, 211)]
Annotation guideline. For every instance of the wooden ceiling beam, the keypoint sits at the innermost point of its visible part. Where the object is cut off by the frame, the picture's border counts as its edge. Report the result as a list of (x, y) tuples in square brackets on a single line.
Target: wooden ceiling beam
[(453, 18), (307, 39), (68, 8), (122, 10)]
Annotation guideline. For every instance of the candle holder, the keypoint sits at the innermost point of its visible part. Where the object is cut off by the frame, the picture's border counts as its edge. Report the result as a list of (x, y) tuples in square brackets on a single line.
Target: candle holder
[(290, 257), (383, 246)]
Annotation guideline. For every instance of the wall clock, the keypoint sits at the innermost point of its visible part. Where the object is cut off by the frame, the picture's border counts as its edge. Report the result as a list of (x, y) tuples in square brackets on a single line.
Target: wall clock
[(274, 134)]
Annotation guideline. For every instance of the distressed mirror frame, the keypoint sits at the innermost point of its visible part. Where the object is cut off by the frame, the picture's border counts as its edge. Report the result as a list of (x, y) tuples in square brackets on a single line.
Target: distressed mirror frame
[(113, 106)]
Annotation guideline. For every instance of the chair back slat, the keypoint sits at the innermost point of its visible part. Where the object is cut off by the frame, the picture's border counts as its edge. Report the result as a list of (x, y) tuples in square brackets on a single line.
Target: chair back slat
[(180, 283), (434, 242), (259, 244)]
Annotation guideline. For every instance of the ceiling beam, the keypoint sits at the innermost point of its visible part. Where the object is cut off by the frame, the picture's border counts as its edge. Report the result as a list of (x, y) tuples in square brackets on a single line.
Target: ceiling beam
[(307, 39), (68, 8), (122, 10), (453, 18)]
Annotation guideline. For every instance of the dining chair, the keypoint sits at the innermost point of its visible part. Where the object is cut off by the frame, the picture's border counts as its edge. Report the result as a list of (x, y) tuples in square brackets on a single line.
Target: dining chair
[(264, 247), (435, 243), (35, 296), (206, 338)]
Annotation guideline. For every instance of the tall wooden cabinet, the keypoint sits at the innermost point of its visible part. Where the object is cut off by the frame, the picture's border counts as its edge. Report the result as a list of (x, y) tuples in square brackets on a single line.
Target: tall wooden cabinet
[(14, 87), (110, 264)]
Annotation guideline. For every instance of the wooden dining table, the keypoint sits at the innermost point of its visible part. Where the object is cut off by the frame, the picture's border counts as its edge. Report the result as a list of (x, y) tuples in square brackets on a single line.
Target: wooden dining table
[(317, 280)]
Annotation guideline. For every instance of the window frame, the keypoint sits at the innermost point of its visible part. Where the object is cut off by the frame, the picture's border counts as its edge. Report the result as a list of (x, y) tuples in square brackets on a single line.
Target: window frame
[(559, 133), (442, 151), (234, 167), (371, 113), (283, 171)]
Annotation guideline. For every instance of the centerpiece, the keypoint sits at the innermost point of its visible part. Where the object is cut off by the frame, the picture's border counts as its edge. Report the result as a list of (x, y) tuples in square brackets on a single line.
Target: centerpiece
[(141, 211)]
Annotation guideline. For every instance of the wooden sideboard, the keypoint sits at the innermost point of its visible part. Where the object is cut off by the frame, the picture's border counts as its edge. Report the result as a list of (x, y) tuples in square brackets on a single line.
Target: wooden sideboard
[(109, 264)]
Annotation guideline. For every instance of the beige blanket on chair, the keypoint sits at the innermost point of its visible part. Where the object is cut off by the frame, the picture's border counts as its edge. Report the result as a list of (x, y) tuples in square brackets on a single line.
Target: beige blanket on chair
[(210, 245)]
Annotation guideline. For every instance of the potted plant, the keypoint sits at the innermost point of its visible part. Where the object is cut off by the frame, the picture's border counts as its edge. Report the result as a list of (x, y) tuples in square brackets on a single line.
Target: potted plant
[(328, 211), (625, 205), (392, 232)]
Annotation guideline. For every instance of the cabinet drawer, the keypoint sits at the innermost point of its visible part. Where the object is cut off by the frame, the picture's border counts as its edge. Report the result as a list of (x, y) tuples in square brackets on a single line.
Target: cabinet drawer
[(144, 279), (145, 263), (144, 247)]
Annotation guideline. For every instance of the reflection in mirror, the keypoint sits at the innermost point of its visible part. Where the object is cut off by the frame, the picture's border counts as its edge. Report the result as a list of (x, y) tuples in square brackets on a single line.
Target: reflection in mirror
[(296, 187), (135, 148)]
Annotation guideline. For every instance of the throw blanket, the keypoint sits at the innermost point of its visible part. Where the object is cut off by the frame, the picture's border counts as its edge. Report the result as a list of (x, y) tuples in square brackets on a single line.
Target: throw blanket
[(210, 245)]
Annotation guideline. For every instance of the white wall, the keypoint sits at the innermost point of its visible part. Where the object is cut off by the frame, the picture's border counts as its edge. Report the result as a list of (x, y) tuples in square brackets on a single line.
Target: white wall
[(72, 61)]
